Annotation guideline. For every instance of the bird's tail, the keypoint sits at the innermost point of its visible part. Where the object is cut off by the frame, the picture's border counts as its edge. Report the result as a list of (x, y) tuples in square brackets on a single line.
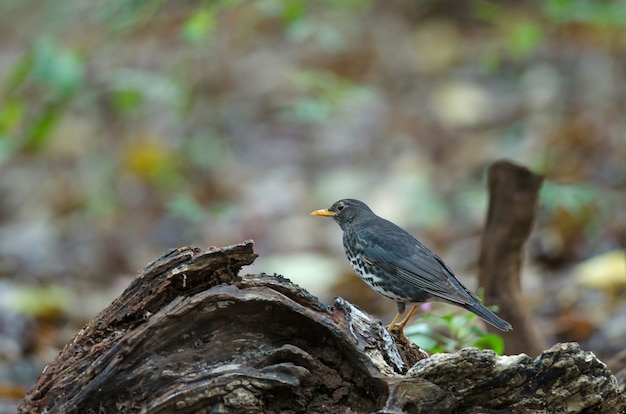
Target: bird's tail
[(488, 316)]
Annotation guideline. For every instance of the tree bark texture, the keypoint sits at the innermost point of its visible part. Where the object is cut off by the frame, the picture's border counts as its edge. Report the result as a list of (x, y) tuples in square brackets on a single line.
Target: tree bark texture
[(192, 335), (513, 194)]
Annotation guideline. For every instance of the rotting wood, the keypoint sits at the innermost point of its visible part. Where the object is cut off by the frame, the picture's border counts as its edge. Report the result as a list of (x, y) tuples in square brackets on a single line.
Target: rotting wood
[(192, 335)]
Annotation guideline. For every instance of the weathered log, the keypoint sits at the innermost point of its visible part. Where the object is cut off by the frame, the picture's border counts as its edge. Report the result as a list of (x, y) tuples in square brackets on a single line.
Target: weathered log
[(191, 335), (513, 194)]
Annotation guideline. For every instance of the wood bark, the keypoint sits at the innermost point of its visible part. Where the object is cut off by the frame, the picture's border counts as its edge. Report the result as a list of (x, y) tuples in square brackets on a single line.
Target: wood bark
[(513, 194), (192, 335)]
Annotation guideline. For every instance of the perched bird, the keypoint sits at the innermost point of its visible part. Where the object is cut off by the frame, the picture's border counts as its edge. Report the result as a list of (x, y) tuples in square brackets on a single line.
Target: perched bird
[(398, 266)]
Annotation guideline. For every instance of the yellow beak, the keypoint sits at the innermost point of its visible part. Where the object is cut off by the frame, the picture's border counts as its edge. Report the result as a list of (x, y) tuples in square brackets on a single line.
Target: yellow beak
[(324, 213)]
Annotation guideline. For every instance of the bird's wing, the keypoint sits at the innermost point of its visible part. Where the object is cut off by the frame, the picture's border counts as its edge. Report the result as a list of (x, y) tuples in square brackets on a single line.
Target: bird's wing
[(414, 263)]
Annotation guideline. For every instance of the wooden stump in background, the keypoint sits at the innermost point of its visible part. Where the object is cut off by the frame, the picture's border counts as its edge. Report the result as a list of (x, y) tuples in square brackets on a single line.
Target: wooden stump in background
[(192, 335), (513, 194)]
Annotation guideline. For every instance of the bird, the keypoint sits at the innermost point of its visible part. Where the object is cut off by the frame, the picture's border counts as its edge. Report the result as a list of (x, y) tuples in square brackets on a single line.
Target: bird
[(398, 266)]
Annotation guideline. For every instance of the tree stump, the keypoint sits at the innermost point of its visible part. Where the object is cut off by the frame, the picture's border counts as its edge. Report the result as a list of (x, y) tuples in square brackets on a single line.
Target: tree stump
[(513, 195), (192, 335)]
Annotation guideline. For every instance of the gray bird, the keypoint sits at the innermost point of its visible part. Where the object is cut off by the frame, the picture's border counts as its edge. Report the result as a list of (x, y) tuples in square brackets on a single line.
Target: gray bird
[(398, 266)]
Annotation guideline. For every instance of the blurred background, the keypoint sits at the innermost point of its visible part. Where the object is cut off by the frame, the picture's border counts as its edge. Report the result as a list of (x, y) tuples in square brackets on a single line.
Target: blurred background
[(131, 127)]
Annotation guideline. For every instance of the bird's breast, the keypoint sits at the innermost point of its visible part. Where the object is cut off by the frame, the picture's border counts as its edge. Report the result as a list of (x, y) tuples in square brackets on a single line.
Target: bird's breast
[(383, 282), (376, 278)]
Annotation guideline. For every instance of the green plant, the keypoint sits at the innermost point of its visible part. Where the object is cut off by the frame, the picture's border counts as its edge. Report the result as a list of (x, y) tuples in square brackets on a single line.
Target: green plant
[(452, 332), (36, 93)]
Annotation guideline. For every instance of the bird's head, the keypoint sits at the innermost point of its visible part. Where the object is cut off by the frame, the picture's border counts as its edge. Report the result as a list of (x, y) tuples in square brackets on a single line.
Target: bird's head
[(345, 212)]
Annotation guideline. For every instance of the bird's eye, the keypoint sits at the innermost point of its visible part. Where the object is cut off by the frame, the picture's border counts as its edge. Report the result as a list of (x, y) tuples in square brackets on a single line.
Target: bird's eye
[(340, 206)]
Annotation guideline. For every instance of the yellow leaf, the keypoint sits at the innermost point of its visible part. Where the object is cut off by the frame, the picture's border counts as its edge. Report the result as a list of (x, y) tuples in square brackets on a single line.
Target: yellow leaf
[(605, 271)]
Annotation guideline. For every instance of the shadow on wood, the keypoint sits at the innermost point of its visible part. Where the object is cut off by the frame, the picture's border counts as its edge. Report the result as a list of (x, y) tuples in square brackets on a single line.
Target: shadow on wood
[(191, 335)]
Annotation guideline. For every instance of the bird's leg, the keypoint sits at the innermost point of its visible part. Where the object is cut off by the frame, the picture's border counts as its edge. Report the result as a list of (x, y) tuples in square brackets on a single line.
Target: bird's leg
[(401, 309), (404, 321), (394, 322)]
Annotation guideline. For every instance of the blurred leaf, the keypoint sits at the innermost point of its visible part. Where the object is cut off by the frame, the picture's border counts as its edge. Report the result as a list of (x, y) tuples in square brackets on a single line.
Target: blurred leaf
[(451, 332), (309, 110), (322, 83), (150, 159), (11, 115), (573, 198), (324, 35), (293, 11), (126, 14), (289, 11), (523, 37), (585, 11), (38, 134), (321, 94), (490, 341), (56, 67), (19, 72), (129, 88), (185, 206), (604, 271), (46, 77), (127, 101), (424, 342), (426, 336), (488, 11), (560, 10), (198, 27), (40, 302), (144, 158)]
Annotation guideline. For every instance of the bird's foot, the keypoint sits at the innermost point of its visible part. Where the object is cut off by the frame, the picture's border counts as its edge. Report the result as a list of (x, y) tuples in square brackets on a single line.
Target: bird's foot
[(395, 329), (410, 352), (397, 326)]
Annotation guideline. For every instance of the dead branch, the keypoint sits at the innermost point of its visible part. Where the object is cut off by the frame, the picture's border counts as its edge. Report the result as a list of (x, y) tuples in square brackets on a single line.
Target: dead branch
[(191, 335)]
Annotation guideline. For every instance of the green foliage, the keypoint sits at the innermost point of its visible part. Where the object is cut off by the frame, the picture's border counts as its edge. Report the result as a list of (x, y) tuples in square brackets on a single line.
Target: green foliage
[(572, 198), (323, 34), (523, 37), (488, 11), (288, 11), (36, 94), (523, 32), (11, 115), (128, 91), (122, 15), (452, 332), (580, 207), (185, 206), (38, 132), (293, 11), (45, 82), (56, 68), (320, 94), (127, 101), (586, 11), (198, 27), (520, 36)]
